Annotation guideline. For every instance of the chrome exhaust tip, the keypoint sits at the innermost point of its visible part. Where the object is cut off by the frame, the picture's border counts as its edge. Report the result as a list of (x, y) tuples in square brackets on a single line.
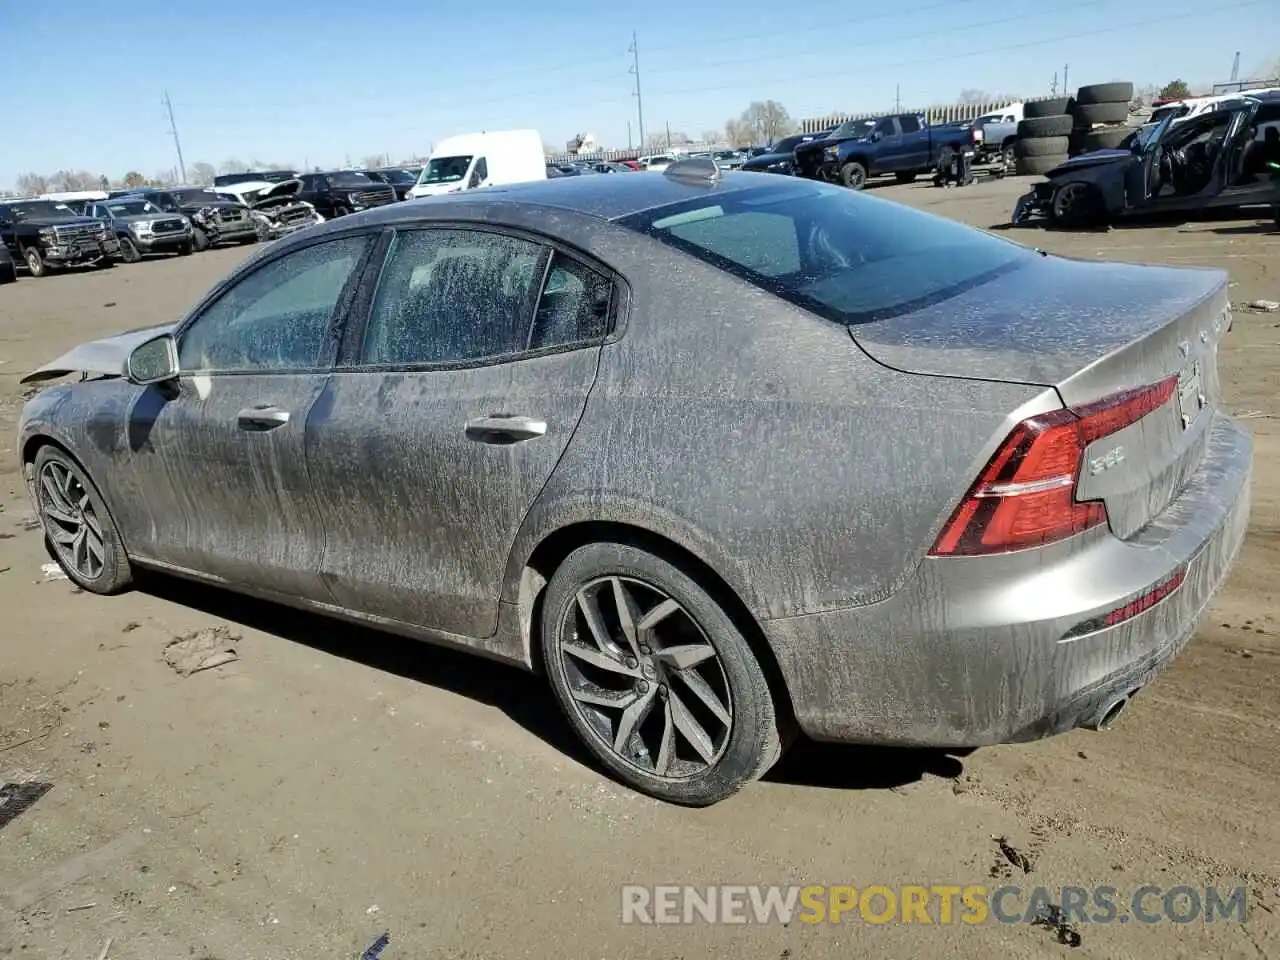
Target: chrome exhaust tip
[(1109, 715)]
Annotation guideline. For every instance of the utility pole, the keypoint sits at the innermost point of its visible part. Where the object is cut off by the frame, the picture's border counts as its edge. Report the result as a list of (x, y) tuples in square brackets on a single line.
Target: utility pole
[(629, 143), (635, 69), (668, 136), (173, 130), (1066, 69), (1053, 87), (897, 98)]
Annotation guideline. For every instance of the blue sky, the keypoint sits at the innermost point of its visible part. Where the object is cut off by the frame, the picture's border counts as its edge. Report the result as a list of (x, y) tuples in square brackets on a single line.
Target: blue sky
[(322, 81)]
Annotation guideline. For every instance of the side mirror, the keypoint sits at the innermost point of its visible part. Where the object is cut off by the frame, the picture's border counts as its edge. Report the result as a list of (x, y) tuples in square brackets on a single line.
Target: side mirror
[(153, 361)]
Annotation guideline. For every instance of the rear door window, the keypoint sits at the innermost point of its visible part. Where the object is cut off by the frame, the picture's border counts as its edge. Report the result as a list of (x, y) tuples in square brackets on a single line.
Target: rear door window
[(909, 124)]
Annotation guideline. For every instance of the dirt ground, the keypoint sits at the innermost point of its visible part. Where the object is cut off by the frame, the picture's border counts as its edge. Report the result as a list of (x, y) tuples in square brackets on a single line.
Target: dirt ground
[(333, 784)]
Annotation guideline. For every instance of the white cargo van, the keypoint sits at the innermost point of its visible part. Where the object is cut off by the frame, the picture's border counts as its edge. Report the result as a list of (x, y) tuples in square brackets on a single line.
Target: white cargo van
[(481, 160)]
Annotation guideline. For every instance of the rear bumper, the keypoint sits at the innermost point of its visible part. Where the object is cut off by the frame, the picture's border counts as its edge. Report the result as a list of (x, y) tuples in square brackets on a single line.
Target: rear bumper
[(975, 651)]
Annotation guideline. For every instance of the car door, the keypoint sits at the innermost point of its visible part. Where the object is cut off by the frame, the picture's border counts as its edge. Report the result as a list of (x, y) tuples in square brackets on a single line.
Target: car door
[(1232, 185), (913, 144), (448, 416), (217, 458), (1143, 176)]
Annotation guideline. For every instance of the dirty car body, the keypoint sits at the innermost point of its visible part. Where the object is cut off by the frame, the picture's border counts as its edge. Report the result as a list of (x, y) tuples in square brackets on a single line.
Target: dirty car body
[(927, 486), (1200, 163)]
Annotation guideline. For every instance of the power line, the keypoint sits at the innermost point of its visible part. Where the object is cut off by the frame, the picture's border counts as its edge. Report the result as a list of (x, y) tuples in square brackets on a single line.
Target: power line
[(173, 129)]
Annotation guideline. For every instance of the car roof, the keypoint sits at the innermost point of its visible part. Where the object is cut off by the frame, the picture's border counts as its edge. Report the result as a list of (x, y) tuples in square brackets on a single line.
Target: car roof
[(603, 198)]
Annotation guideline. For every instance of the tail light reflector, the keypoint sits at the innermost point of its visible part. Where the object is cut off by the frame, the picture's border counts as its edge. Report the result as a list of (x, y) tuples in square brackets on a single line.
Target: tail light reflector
[(1026, 494)]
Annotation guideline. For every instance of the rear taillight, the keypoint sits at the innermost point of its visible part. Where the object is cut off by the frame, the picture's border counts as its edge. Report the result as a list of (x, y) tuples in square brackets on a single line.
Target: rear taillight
[(1026, 495)]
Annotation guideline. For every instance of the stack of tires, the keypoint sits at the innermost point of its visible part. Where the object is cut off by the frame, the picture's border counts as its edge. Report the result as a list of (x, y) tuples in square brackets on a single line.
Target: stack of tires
[(1101, 113), (1044, 136)]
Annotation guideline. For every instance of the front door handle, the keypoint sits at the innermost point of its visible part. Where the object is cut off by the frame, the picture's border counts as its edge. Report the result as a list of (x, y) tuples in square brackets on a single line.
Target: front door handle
[(262, 418), (503, 428)]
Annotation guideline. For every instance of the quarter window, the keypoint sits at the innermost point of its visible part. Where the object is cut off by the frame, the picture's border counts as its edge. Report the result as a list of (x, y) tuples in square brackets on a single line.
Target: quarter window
[(453, 296), (909, 124), (574, 306), (276, 318)]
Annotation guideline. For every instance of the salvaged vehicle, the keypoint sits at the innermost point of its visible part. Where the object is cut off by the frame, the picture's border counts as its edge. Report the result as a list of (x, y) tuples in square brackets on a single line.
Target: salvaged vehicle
[(1215, 159), (780, 158), (341, 192), (719, 454), (142, 227), (46, 234), (214, 219), (254, 176), (904, 145), (274, 207), (402, 181)]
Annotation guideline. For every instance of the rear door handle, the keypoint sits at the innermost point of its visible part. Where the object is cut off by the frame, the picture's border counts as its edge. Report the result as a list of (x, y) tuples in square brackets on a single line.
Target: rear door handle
[(262, 418), (503, 428)]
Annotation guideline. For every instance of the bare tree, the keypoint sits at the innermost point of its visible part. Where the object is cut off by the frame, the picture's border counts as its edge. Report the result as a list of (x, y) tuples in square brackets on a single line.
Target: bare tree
[(764, 122), (709, 137), (736, 133), (201, 174), (32, 184), (233, 166), (656, 140), (72, 180), (133, 179), (973, 95), (373, 161)]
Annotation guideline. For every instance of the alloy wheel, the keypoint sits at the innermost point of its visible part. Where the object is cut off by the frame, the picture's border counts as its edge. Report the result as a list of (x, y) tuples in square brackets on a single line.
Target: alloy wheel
[(644, 678), (70, 520)]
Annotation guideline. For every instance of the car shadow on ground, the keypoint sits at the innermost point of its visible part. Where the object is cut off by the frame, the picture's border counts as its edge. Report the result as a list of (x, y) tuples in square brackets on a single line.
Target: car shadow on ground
[(523, 697)]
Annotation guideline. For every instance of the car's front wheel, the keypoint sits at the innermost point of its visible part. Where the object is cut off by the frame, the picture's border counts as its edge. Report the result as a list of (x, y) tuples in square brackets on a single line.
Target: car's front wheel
[(853, 175), (654, 676), (35, 262), (129, 251), (199, 240), (78, 529)]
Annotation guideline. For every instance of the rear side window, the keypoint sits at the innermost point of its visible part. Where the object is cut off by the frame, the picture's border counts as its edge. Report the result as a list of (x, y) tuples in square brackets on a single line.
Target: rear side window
[(909, 124), (842, 254)]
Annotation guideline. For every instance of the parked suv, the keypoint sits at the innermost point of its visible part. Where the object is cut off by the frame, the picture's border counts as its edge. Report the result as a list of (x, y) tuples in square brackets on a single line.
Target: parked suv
[(340, 192), (46, 233), (142, 227), (402, 180), (213, 219)]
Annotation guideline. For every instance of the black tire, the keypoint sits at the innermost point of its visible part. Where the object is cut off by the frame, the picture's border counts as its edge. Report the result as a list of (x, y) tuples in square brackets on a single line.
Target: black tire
[(1053, 107), (129, 251), (8, 273), (1088, 114), (1034, 166), (1059, 126), (1086, 211), (184, 250), (853, 175), (905, 177), (752, 742), (115, 573), (199, 240), (1042, 147), (1104, 138), (35, 262), (1097, 93)]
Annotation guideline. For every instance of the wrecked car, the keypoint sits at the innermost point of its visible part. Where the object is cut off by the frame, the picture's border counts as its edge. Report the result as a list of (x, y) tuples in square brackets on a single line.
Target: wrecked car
[(1215, 159), (274, 207), (213, 219), (524, 422)]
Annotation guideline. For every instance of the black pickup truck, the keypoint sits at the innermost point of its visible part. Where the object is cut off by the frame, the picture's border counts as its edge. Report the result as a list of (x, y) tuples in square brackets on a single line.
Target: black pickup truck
[(340, 192), (45, 233), (903, 145)]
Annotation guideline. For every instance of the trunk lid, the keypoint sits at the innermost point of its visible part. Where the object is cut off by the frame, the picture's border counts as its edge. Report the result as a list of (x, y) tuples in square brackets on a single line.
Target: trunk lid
[(1090, 331)]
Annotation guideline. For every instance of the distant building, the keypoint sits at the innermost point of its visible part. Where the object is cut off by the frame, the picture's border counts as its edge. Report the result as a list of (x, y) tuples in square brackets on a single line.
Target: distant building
[(583, 143)]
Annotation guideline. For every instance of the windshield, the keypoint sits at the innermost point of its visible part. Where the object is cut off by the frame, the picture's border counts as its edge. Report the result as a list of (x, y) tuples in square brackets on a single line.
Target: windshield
[(846, 256), (854, 128), (445, 169), (197, 196), (395, 176), (127, 208), (348, 178), (41, 208)]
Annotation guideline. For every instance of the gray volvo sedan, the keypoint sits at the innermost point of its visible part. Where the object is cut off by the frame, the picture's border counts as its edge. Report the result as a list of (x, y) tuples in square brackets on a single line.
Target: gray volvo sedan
[(725, 458)]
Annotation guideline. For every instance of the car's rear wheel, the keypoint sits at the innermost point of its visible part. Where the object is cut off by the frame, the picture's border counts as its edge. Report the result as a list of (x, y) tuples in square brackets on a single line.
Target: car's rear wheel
[(35, 262), (8, 272), (853, 175), (78, 529), (654, 676)]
